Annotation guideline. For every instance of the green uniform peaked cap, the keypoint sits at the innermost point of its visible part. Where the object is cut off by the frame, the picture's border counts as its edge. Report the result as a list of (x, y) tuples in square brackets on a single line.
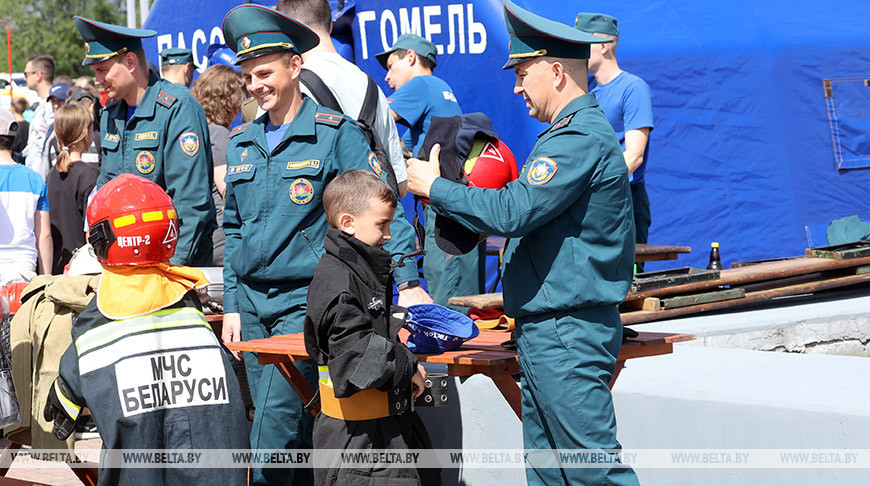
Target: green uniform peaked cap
[(176, 56), (595, 23), (534, 36), (103, 40), (253, 30)]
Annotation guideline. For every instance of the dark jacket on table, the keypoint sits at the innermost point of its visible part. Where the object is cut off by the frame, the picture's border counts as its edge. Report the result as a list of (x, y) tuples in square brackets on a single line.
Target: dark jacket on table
[(348, 328)]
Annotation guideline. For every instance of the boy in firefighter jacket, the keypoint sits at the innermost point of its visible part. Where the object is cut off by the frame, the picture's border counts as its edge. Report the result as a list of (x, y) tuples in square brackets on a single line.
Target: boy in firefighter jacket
[(144, 359), (368, 378)]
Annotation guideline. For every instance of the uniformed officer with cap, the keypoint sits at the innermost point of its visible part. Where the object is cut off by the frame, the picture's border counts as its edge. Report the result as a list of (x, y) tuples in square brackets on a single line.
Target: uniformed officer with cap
[(569, 261), (176, 65), (277, 168), (154, 129)]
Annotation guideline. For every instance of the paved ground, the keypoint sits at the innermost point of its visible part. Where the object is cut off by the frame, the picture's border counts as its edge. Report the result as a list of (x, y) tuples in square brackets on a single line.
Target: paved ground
[(53, 473)]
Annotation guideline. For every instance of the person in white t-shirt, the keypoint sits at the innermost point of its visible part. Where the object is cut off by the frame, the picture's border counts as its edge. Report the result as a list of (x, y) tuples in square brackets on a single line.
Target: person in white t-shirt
[(25, 231), (39, 73)]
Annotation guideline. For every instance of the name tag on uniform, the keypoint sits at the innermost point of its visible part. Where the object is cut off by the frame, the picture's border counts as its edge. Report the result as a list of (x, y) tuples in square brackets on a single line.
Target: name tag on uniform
[(303, 164), (239, 169), (146, 136), (112, 137)]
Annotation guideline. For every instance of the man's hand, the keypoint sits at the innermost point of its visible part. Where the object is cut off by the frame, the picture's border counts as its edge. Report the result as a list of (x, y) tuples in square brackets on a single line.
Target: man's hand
[(419, 381), (422, 174), (414, 295), (231, 332)]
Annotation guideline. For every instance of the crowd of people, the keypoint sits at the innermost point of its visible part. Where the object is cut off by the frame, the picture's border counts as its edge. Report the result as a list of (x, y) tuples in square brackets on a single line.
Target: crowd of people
[(302, 215)]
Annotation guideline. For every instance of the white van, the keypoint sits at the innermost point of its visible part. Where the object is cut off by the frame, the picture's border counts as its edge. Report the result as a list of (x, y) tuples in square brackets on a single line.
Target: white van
[(19, 88)]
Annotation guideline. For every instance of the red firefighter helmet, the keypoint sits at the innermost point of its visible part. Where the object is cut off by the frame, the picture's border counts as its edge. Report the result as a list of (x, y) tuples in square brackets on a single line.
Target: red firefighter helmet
[(490, 165), (132, 222)]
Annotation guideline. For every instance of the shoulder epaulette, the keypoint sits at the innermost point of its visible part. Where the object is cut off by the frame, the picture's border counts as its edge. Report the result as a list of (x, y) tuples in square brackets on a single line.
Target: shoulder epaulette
[(562, 123), (165, 99), (239, 129), (333, 119), (112, 102)]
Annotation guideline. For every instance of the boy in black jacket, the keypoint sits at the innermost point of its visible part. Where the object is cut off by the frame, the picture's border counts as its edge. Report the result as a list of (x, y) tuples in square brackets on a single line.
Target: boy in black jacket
[(368, 378)]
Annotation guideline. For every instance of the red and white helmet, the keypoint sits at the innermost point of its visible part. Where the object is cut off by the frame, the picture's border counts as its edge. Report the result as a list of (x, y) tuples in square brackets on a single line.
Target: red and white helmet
[(132, 222), (491, 166)]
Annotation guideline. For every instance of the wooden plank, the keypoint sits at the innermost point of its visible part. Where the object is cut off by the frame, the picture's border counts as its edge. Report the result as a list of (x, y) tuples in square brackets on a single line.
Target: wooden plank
[(830, 251), (768, 260), (734, 277), (656, 257), (651, 304), (647, 249), (480, 301), (669, 278), (834, 282), (852, 254), (703, 298)]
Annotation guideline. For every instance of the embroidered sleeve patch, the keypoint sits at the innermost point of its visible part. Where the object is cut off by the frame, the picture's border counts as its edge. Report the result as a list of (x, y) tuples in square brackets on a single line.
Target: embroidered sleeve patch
[(189, 142), (375, 164), (541, 171)]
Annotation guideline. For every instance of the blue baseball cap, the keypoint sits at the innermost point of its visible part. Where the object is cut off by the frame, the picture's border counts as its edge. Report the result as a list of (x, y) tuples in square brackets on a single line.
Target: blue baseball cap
[(58, 91), (435, 328), (422, 46)]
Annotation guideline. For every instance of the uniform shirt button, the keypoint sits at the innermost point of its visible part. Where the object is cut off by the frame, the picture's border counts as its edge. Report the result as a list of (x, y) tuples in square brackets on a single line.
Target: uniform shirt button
[(397, 391)]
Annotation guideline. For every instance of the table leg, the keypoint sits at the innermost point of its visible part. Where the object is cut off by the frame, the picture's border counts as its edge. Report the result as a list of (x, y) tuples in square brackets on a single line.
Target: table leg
[(298, 383), (620, 363), (501, 375), (510, 391)]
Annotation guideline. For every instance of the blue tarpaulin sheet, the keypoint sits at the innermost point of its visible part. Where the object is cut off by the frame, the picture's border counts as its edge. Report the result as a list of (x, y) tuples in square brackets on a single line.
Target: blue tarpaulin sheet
[(750, 149)]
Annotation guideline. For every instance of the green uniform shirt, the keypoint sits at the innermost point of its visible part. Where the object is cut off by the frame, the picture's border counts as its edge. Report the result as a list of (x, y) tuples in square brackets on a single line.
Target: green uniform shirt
[(166, 142), (273, 212), (568, 216)]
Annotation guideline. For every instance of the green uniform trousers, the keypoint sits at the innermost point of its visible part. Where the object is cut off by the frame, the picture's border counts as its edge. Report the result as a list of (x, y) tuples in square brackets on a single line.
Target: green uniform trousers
[(567, 360), (280, 422)]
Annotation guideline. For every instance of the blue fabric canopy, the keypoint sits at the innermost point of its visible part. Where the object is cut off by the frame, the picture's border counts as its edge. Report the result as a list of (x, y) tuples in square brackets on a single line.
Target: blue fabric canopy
[(752, 147)]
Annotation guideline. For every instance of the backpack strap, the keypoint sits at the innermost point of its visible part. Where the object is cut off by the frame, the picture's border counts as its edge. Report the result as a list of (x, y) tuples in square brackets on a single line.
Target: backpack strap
[(370, 104), (318, 88)]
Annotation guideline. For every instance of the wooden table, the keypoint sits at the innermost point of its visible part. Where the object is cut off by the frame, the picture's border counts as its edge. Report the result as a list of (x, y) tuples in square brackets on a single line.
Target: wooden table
[(481, 355)]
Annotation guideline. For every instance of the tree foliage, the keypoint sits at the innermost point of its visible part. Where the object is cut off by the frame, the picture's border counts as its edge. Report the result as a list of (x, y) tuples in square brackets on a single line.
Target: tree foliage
[(46, 27)]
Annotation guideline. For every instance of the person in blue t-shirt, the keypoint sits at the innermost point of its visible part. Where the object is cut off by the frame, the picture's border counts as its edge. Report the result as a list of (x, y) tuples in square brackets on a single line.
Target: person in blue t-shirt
[(419, 95), (627, 102), (26, 246)]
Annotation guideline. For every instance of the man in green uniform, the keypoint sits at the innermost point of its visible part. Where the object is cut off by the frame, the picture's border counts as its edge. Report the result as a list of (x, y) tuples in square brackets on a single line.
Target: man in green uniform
[(277, 168), (176, 65), (154, 129), (570, 257)]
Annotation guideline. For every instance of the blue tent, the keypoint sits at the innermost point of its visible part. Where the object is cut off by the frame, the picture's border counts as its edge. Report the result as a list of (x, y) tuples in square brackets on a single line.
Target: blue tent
[(762, 109)]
